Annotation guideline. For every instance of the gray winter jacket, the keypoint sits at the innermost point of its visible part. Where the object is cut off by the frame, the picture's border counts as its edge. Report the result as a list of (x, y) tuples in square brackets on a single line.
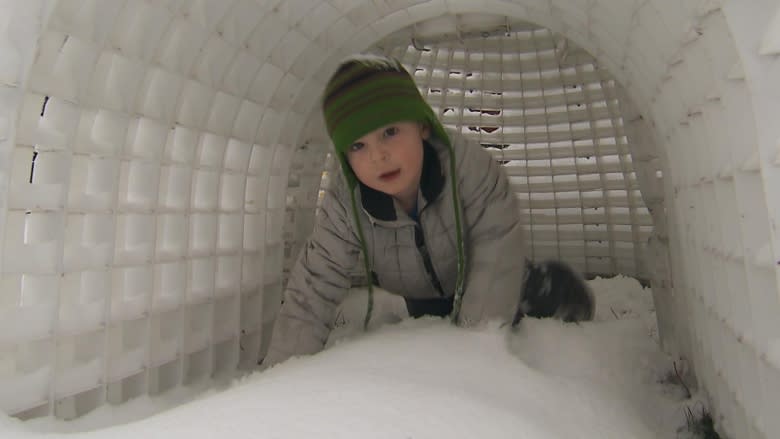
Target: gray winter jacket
[(495, 253)]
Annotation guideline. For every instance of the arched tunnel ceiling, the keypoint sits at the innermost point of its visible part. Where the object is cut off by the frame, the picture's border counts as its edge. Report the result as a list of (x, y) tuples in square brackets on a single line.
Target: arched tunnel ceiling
[(213, 94), (551, 115)]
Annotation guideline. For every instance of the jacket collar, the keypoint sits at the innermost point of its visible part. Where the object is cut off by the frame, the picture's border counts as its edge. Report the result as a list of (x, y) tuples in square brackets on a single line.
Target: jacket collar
[(382, 207)]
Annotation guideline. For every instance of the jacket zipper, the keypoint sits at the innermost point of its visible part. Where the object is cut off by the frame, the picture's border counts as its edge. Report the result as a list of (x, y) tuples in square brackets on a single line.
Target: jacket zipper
[(419, 240)]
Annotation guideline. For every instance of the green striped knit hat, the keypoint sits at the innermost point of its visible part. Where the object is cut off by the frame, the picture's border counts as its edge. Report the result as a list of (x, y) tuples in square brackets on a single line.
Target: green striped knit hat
[(368, 92)]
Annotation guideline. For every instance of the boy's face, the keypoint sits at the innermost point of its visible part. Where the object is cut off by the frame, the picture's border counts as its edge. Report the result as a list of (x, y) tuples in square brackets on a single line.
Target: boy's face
[(389, 159)]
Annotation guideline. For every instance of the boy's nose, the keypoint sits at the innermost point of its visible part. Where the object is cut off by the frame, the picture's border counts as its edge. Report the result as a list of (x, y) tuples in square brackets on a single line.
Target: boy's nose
[(379, 154)]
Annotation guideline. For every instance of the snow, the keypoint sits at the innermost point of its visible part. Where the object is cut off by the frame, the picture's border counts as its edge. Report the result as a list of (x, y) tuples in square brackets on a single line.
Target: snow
[(426, 378)]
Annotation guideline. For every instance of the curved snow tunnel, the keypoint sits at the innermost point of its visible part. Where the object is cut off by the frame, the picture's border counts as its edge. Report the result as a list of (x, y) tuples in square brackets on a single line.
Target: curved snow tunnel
[(161, 160)]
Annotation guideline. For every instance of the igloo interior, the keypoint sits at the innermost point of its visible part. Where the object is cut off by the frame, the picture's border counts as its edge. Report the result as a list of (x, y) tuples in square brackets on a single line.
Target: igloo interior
[(161, 163)]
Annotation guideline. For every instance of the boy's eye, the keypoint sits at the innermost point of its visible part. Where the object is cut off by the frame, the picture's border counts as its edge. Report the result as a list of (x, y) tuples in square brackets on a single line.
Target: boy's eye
[(391, 131), (356, 146)]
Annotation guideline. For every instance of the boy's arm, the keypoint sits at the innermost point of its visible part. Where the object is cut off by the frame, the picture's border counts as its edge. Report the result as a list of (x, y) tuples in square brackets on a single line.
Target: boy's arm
[(495, 247), (317, 285)]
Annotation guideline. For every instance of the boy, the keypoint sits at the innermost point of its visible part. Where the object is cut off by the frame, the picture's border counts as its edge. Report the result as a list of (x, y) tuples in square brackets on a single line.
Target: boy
[(422, 212)]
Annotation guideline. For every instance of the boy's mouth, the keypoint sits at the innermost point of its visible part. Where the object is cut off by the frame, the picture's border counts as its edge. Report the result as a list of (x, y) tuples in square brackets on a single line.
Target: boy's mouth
[(390, 175)]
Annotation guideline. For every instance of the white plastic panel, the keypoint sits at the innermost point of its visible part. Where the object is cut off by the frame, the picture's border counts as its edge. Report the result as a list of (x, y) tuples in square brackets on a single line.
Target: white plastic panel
[(160, 168), (129, 172), (556, 126)]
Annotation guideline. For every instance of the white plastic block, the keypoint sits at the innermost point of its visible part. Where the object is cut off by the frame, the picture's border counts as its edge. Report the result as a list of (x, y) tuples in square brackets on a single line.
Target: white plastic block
[(90, 19), (272, 300), (286, 92), (203, 233), (27, 307), (181, 145), (223, 114), (127, 347), (777, 157), (164, 377), (213, 61), (194, 104), (92, 183), (170, 280), (254, 232), (139, 28), (291, 12), (25, 376), (228, 279), (11, 70), (231, 197), (239, 21), (4, 128), (211, 151), (764, 257), (116, 82), (281, 163), (204, 190), (277, 188), (134, 238), (318, 19), (88, 241), (159, 94), (46, 190), (752, 163), (102, 132), (290, 134), (181, 45), (226, 355), (274, 226), (205, 13), (197, 326), (265, 36), (240, 74), (171, 236), (237, 155), (265, 83), (54, 130), (32, 242), (251, 275), (197, 366), (247, 120), (83, 297), (80, 363), (367, 12), (201, 282), (165, 337), (270, 127), (289, 48), (226, 319), (773, 353), (229, 238), (146, 138), (175, 183), (138, 184), (345, 5), (260, 160), (384, 26), (338, 33), (770, 44), (64, 66), (251, 321), (131, 292), (250, 348)]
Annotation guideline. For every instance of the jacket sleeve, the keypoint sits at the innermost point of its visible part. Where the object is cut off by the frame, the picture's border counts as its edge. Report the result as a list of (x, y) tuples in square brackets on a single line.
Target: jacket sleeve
[(318, 283), (494, 243)]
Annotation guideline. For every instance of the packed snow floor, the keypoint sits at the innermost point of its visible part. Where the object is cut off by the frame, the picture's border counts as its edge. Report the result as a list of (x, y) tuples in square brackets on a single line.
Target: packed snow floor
[(427, 379)]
